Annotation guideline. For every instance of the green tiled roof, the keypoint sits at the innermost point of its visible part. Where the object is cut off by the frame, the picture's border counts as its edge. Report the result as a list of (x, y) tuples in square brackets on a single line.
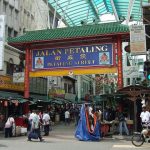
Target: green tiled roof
[(70, 32)]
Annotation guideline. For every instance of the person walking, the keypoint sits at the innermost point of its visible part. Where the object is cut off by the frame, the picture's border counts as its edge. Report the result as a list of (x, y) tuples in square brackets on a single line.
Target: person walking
[(35, 127), (67, 117), (31, 116), (46, 123), (9, 126)]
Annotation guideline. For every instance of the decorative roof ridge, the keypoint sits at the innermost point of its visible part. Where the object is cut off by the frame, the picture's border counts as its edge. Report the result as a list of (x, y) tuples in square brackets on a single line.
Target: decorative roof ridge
[(70, 32), (77, 27)]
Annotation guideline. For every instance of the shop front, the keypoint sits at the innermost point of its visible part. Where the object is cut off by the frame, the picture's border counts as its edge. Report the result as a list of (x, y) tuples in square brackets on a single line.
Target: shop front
[(11, 100)]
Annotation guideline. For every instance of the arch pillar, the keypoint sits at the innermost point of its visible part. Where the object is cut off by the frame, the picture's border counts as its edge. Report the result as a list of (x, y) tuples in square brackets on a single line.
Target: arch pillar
[(26, 77), (120, 68)]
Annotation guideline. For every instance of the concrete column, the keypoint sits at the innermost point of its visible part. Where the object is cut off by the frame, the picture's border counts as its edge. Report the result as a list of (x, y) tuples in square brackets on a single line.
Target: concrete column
[(1, 7), (79, 86)]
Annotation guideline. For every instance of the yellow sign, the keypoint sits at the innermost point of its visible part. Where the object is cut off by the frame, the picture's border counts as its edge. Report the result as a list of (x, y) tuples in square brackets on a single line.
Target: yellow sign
[(6, 83), (62, 72), (54, 92)]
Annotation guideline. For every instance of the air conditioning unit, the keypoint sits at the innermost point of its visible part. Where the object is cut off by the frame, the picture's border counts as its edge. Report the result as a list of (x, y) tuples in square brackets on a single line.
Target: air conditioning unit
[(55, 83)]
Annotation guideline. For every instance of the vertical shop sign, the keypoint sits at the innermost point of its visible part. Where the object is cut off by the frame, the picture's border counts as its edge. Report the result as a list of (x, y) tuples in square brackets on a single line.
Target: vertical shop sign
[(2, 40), (137, 39)]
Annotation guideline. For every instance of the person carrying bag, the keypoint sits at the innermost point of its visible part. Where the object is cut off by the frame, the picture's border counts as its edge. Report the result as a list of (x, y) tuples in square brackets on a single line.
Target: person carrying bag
[(35, 130), (9, 126)]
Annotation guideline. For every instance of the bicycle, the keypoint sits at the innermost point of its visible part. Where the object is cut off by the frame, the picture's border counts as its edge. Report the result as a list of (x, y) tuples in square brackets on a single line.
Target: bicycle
[(139, 138)]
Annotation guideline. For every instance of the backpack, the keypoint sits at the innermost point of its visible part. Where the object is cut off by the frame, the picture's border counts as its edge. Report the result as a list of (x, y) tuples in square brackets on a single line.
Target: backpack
[(121, 117)]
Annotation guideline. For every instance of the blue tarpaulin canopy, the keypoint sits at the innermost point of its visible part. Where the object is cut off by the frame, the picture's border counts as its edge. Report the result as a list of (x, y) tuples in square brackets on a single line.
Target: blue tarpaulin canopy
[(82, 133)]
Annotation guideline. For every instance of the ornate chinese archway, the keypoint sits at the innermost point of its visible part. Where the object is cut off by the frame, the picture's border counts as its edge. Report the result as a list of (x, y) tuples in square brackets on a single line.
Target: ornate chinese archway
[(76, 50)]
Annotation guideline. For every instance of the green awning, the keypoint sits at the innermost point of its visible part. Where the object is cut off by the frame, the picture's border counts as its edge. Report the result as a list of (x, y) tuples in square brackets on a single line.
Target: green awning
[(57, 102), (60, 101), (12, 96), (22, 100), (39, 98), (8, 95)]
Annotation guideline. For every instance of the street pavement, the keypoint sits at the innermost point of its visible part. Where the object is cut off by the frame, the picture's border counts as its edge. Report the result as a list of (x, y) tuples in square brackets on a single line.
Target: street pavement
[(62, 138)]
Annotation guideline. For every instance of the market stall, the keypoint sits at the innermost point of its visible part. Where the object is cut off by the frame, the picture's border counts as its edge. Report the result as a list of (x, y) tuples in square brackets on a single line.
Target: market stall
[(109, 104)]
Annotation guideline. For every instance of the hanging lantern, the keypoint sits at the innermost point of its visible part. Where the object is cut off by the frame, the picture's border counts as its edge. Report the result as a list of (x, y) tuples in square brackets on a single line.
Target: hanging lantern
[(127, 49), (5, 103), (16, 103)]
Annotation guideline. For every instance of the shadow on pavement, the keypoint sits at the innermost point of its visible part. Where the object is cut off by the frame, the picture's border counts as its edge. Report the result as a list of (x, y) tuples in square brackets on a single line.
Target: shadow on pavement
[(2, 145)]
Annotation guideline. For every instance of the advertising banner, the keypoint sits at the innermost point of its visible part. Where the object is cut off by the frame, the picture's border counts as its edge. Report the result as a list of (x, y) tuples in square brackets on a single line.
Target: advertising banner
[(2, 40), (82, 56), (55, 92), (18, 77), (6, 82), (131, 72), (137, 39)]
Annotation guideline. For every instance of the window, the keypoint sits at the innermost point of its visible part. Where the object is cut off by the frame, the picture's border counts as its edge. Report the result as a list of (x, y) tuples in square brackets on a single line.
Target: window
[(65, 87), (25, 11), (9, 32), (11, 68), (128, 81), (51, 16), (69, 88), (16, 15), (38, 85), (32, 16), (15, 33), (4, 7), (56, 23), (10, 11)]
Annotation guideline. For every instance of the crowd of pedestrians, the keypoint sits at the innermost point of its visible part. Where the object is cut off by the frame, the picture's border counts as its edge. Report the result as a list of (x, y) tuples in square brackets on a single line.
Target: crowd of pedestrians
[(38, 121)]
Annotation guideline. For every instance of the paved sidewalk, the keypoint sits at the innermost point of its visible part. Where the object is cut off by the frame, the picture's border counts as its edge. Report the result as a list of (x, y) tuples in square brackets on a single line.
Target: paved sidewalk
[(62, 138)]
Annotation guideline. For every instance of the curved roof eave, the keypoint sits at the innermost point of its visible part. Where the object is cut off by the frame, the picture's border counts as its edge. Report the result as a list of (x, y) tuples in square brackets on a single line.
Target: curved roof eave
[(70, 33)]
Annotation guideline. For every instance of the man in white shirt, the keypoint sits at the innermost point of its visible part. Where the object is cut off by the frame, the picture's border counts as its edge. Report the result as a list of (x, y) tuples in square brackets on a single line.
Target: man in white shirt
[(46, 123), (145, 115), (31, 116), (67, 117), (35, 127)]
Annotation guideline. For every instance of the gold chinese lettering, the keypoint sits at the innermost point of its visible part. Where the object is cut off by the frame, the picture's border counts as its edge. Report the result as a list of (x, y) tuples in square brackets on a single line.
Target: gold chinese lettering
[(70, 57), (82, 56), (57, 57)]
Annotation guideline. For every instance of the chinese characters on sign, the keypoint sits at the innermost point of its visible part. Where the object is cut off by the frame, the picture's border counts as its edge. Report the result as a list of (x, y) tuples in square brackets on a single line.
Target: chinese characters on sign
[(83, 56), (137, 39)]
